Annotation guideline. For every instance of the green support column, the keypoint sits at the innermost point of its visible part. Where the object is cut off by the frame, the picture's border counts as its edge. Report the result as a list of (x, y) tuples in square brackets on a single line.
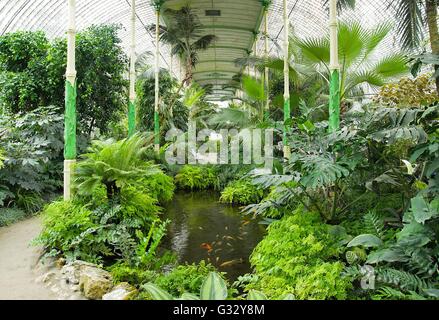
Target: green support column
[(70, 102), (334, 92), (157, 88), (131, 118), (132, 93), (70, 122), (287, 108), (266, 71), (334, 101)]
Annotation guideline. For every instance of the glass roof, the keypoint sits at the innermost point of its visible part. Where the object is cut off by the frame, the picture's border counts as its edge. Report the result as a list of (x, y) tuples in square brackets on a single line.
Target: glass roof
[(235, 28)]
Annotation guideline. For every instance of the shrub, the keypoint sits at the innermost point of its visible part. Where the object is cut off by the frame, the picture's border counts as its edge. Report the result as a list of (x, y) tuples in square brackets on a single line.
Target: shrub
[(123, 272), (160, 186), (408, 93), (32, 157), (10, 215), (241, 192), (114, 164), (295, 258), (32, 70), (68, 228), (195, 178), (184, 278)]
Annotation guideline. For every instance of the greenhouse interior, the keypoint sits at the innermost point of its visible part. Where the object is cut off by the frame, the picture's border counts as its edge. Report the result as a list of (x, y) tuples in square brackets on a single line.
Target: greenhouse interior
[(219, 150)]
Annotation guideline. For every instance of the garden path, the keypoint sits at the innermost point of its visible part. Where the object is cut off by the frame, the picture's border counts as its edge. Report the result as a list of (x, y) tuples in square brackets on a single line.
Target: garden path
[(19, 263)]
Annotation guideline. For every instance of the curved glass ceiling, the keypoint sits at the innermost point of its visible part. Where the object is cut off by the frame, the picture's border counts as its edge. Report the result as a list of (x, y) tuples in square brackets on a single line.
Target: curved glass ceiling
[(235, 28)]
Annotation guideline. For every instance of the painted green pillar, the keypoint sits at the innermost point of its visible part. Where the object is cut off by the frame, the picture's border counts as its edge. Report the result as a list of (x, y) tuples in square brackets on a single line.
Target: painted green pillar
[(334, 101), (334, 91), (70, 103), (157, 87), (266, 70), (287, 108), (132, 91)]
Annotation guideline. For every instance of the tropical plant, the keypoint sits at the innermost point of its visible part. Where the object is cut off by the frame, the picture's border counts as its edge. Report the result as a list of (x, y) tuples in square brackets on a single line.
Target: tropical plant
[(409, 93), (9, 216), (296, 257), (213, 288), (33, 69), (412, 17), (405, 264), (195, 178), (242, 192), (114, 165), (356, 48), (160, 186), (32, 156), (331, 172), (173, 113), (23, 65), (184, 33), (184, 278)]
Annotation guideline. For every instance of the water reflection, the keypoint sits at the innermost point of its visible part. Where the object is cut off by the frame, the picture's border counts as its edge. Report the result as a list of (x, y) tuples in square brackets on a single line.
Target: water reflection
[(204, 229)]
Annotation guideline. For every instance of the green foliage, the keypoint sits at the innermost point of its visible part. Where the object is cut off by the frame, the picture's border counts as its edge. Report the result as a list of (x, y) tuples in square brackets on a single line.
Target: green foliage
[(195, 178), (177, 116), (123, 272), (9, 216), (184, 33), (401, 94), (242, 192), (23, 75), (112, 210), (214, 287), (146, 250), (114, 165), (160, 186), (184, 278), (406, 264), (296, 258), (33, 70), (357, 45), (32, 157), (68, 228)]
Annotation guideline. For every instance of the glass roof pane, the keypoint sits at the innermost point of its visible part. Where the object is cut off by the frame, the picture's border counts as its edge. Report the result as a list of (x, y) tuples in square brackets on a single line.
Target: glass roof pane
[(234, 29)]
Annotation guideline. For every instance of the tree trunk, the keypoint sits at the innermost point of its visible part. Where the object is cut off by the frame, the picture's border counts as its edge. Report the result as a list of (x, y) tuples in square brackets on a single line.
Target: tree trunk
[(431, 8), (189, 76)]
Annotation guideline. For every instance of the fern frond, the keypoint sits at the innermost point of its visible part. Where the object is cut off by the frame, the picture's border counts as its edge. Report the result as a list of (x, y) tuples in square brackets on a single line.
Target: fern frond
[(374, 224)]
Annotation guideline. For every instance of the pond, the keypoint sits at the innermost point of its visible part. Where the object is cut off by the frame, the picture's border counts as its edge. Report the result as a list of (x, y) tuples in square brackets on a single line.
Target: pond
[(203, 229)]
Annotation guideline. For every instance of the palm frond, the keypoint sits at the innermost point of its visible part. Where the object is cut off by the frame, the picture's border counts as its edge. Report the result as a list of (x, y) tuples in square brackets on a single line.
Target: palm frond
[(391, 66), (410, 22), (204, 42)]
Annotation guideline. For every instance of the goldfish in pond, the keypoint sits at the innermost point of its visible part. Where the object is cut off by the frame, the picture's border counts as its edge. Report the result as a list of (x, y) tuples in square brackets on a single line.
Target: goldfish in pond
[(207, 246), (231, 263)]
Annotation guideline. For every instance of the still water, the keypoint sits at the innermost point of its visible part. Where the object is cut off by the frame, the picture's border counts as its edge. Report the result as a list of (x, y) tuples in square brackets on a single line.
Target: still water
[(203, 229)]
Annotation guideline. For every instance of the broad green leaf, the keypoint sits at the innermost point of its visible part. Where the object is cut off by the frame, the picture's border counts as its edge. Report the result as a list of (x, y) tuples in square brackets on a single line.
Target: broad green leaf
[(366, 240), (256, 295), (213, 288), (189, 296), (411, 229), (156, 292), (432, 292), (386, 255), (421, 210)]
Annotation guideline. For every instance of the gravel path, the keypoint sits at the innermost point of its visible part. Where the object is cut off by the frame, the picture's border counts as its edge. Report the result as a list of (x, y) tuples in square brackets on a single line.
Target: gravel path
[(18, 263)]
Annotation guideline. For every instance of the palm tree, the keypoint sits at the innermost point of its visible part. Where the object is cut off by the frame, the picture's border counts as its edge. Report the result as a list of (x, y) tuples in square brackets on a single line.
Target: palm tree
[(184, 33), (411, 22), (357, 46)]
